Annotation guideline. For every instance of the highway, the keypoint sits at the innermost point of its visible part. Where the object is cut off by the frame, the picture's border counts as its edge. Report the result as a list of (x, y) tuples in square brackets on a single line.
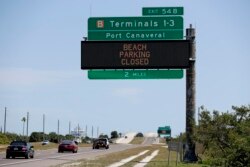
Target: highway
[(45, 158)]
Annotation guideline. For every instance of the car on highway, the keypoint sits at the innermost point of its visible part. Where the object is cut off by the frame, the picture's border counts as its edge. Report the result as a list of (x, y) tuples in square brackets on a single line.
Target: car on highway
[(45, 142), (20, 149), (68, 145), (101, 142)]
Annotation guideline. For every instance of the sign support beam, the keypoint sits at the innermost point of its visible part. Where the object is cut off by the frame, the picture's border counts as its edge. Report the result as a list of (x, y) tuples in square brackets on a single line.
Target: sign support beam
[(190, 155)]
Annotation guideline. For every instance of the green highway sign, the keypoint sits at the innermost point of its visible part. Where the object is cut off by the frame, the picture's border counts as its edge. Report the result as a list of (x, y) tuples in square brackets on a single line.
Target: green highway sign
[(136, 35), (135, 28), (152, 11), (134, 23), (135, 74)]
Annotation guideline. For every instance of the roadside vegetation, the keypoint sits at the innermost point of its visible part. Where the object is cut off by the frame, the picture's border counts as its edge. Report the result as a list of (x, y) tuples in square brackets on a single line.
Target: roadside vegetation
[(225, 137), (109, 159), (138, 139), (36, 139), (161, 160)]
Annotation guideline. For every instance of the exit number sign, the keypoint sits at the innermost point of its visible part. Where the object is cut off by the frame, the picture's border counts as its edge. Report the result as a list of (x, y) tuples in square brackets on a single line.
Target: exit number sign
[(149, 11)]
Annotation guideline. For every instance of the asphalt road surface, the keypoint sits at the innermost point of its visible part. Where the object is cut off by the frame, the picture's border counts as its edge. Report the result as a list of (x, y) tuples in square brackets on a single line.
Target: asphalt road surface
[(45, 158)]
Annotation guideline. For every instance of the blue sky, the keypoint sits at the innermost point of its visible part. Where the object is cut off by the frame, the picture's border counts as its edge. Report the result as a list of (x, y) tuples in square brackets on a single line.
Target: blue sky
[(40, 66)]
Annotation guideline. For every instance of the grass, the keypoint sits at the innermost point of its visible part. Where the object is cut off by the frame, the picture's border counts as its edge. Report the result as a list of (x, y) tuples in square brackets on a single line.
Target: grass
[(161, 160), (3, 147), (137, 140), (111, 158), (162, 140)]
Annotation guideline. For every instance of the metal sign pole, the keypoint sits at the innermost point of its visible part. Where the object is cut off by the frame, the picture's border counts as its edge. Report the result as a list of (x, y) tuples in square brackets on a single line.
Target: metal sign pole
[(168, 155), (190, 99)]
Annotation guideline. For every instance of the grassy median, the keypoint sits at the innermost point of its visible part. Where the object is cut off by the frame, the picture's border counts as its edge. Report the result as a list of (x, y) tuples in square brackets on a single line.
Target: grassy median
[(137, 140), (161, 160)]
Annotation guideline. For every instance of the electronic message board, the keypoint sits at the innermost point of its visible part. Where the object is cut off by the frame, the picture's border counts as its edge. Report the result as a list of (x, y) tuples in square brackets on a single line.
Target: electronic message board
[(171, 54)]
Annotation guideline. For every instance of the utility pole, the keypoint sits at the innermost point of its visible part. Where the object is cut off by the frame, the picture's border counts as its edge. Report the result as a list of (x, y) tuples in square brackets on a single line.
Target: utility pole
[(97, 132), (5, 113), (92, 132), (43, 126), (58, 124), (190, 155), (27, 130), (69, 127), (78, 134), (86, 130)]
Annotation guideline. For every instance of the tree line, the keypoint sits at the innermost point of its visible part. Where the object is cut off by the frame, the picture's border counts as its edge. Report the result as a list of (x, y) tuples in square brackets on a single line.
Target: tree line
[(34, 137), (6, 138), (225, 136)]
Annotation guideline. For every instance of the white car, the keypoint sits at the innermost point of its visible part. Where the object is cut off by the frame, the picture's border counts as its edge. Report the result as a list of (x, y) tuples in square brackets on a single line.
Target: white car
[(45, 142)]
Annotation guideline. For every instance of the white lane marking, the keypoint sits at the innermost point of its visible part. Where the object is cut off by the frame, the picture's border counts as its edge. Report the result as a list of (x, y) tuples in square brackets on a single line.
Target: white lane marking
[(73, 164), (40, 159), (144, 162), (14, 163), (126, 160)]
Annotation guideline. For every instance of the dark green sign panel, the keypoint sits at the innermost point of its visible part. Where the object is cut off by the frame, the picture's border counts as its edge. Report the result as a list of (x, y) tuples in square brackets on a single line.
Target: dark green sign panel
[(151, 11), (135, 74), (134, 23), (135, 28), (136, 35), (164, 130)]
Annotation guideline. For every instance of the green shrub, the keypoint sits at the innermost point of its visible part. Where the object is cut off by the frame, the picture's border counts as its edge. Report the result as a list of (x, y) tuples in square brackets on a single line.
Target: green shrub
[(225, 136), (13, 136), (4, 139), (114, 135), (36, 137), (139, 134)]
